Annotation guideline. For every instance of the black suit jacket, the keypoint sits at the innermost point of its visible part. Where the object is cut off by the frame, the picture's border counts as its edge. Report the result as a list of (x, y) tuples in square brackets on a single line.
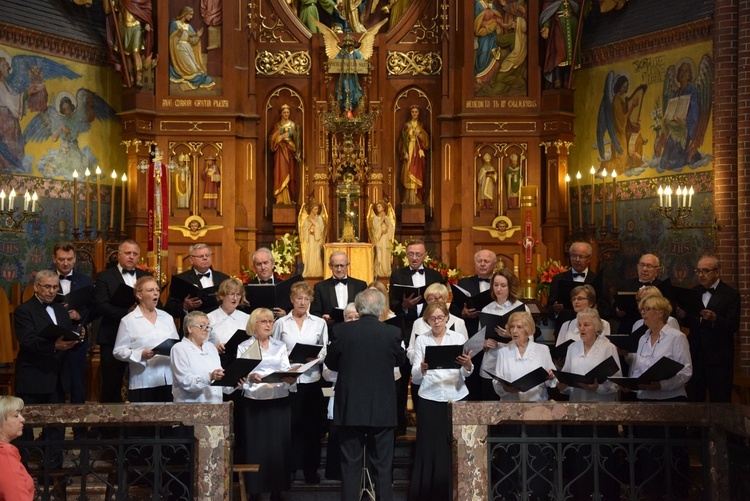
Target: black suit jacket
[(79, 281), (403, 276), (602, 298), (713, 342), (364, 353), (632, 285), (107, 283), (38, 365), (174, 304), (324, 300), (471, 284)]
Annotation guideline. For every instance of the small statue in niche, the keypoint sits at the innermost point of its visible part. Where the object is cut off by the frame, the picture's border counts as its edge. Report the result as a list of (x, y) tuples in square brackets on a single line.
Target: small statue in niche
[(381, 223), (313, 222), (285, 141), (185, 62), (413, 146), (211, 183), (183, 182), (212, 17), (487, 183), (513, 182), (130, 38)]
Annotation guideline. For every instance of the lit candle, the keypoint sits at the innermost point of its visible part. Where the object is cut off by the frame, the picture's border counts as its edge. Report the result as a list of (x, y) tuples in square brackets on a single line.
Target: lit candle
[(2, 200), (88, 199), (11, 199), (690, 198), (604, 198), (614, 199), (34, 198), (567, 197), (661, 196), (684, 196), (668, 194), (26, 201), (122, 205), (679, 194), (98, 200), (593, 194), (75, 200), (580, 200), (112, 203)]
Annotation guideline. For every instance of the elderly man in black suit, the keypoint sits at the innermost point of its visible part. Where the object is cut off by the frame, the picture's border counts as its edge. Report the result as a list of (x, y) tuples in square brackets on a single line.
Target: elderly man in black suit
[(364, 353), (107, 283), (263, 264), (409, 307), (40, 363), (202, 276), (649, 268), (712, 332), (336, 291), (581, 273), (64, 259)]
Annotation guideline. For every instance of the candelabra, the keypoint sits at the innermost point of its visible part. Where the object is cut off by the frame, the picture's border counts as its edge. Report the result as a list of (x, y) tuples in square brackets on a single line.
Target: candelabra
[(678, 210), (12, 220)]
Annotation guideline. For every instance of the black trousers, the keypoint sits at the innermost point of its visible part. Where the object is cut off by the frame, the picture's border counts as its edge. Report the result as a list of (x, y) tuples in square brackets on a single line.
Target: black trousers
[(111, 371), (352, 440)]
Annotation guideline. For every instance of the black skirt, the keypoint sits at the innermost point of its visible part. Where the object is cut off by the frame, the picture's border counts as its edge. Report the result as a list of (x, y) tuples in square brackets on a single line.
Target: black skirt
[(263, 437), (432, 474)]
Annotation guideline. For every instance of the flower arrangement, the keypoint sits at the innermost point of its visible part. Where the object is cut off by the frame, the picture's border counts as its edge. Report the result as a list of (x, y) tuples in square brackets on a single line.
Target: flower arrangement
[(545, 273), (450, 275), (142, 265), (284, 251)]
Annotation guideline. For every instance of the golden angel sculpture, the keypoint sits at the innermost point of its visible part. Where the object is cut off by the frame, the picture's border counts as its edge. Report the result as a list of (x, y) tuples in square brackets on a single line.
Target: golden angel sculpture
[(312, 223), (349, 60), (381, 224)]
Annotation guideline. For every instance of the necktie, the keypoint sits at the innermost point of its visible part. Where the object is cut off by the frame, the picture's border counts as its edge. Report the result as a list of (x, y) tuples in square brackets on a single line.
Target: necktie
[(204, 275), (485, 280), (128, 272), (710, 290), (64, 277), (420, 271), (265, 281), (582, 275), (340, 280)]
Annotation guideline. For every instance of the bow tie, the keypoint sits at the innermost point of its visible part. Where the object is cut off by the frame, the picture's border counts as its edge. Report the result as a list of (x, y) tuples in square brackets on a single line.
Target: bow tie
[(710, 290), (128, 272), (265, 281), (420, 271), (487, 280), (204, 275), (583, 275), (65, 277), (340, 280)]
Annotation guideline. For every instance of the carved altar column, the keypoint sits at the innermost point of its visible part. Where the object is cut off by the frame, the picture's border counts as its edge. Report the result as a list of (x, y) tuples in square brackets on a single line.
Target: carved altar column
[(557, 205)]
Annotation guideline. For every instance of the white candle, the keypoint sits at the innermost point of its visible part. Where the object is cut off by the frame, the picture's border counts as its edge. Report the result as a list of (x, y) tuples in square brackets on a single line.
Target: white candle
[(580, 201), (661, 196), (26, 201), (593, 193), (690, 198), (668, 193), (34, 198), (2, 200), (614, 199), (98, 199), (112, 203), (11, 198), (679, 194), (567, 198), (684, 196)]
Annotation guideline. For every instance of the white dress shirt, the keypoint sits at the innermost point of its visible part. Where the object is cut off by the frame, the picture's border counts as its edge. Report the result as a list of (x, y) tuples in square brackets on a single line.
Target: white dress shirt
[(569, 330), (490, 356), (208, 281), (421, 327), (314, 331), (191, 373), (128, 278), (275, 358), (511, 366), (439, 385), (342, 294), (136, 334), (577, 362), (671, 343), (224, 326)]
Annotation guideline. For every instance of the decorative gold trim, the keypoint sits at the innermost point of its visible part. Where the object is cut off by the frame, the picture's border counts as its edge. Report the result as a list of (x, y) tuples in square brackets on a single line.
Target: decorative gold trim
[(558, 144), (195, 126), (413, 63), (320, 176), (47, 43), (509, 127), (272, 29), (283, 62)]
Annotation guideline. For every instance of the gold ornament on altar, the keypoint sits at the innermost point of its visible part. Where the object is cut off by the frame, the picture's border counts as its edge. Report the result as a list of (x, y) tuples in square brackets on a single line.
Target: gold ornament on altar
[(195, 227), (502, 228)]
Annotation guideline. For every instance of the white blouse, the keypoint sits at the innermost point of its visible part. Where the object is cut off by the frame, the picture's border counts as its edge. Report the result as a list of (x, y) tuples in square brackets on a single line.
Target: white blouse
[(191, 373), (224, 326), (421, 327), (439, 385), (490, 356), (671, 343), (671, 321), (137, 334), (511, 366), (569, 330), (577, 362), (314, 331), (275, 358)]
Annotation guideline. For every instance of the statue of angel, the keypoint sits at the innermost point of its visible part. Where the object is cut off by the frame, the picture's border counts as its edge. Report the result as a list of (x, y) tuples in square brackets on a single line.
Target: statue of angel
[(685, 111), (66, 121), (348, 91), (313, 223), (22, 89), (381, 224), (619, 117)]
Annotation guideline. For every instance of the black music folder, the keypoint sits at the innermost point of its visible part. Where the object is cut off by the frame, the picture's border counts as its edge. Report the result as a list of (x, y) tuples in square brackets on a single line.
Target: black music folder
[(271, 296), (600, 373), (230, 347), (52, 332), (77, 299), (408, 290), (625, 301), (689, 300), (337, 315), (526, 382), (123, 297), (627, 342), (181, 288), (238, 369), (462, 298), (490, 321), (664, 368), (443, 357), (165, 347), (301, 352), (561, 350)]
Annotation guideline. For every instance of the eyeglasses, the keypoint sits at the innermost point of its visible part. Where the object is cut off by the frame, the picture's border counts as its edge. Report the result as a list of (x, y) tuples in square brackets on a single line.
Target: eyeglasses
[(579, 257), (579, 298), (203, 327), (647, 266), (234, 294), (439, 318), (49, 287), (265, 321), (202, 256), (414, 254), (704, 271), (646, 309), (338, 265)]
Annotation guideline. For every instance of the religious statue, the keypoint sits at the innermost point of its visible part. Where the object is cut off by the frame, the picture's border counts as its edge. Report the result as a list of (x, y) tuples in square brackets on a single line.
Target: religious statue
[(487, 183), (348, 195), (506, 72), (559, 27), (310, 17), (502, 228), (211, 181), (183, 182), (381, 223), (513, 182), (185, 62), (397, 9), (212, 17), (412, 148), (130, 38), (345, 61), (285, 141), (313, 222)]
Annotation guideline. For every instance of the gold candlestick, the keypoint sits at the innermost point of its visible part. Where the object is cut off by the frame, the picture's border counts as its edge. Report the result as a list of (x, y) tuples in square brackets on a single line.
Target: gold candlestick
[(567, 203), (580, 200), (98, 200), (122, 206), (604, 200), (614, 200), (593, 194), (88, 199), (112, 203), (75, 201)]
